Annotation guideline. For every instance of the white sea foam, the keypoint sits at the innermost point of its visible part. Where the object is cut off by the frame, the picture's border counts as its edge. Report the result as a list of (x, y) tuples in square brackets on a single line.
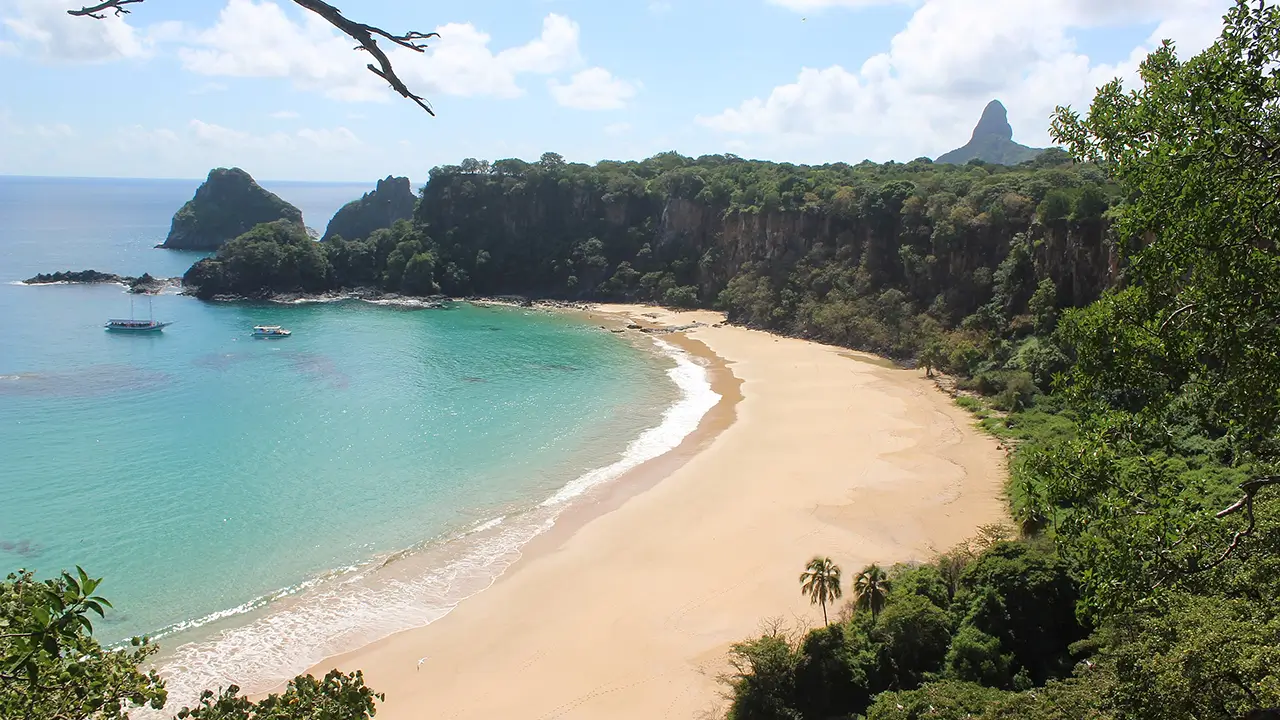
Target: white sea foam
[(682, 418), (287, 632)]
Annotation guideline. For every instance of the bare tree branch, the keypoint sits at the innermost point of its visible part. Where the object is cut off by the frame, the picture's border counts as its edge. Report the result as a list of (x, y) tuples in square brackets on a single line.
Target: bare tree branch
[(1245, 503), (363, 34), (95, 11)]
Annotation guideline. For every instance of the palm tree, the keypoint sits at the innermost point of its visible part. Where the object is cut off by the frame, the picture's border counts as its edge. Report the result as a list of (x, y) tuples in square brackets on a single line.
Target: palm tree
[(870, 588), (821, 582)]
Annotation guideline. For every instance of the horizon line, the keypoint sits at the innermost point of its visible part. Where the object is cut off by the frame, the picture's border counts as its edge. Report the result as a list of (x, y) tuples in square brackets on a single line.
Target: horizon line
[(5, 176)]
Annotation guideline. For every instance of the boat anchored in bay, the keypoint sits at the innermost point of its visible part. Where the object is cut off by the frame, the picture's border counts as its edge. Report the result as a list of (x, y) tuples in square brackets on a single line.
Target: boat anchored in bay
[(137, 326), (270, 332)]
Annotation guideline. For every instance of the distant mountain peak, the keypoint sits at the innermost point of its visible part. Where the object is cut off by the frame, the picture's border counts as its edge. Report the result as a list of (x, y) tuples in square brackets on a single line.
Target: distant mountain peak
[(994, 122), (992, 141)]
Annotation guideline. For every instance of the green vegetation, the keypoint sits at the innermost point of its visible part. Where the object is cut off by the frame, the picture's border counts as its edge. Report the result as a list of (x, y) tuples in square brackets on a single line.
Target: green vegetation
[(51, 667), (870, 588), (1146, 584), (973, 263)]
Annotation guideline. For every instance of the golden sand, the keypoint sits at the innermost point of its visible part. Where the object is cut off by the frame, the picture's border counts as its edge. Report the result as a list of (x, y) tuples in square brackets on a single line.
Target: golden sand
[(627, 608)]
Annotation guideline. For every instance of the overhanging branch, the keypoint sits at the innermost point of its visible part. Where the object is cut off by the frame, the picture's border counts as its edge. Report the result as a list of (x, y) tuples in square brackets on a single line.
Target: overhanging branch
[(365, 35), (95, 11), (1245, 503)]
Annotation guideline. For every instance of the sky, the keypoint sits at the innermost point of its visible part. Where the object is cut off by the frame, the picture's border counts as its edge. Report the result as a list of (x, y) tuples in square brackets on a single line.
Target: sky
[(180, 86)]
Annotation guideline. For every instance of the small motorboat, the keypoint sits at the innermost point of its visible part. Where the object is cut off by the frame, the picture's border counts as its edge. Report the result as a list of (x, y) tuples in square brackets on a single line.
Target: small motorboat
[(270, 332)]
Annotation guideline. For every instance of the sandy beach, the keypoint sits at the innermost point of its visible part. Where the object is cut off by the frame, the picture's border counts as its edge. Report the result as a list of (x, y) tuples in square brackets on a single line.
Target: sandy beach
[(627, 608)]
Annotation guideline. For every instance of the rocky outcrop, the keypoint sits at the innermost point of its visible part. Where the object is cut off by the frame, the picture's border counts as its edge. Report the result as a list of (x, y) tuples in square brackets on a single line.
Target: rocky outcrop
[(144, 284), (391, 200), (73, 277), (225, 206), (992, 141)]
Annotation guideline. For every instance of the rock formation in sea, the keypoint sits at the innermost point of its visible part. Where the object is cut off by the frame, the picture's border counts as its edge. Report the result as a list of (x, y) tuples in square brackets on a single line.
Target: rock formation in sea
[(74, 277), (391, 200), (992, 141), (225, 206), (144, 284)]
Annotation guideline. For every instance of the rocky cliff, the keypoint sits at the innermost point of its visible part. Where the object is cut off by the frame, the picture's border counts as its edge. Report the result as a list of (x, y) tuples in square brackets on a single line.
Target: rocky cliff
[(685, 232), (228, 204), (391, 200), (992, 141)]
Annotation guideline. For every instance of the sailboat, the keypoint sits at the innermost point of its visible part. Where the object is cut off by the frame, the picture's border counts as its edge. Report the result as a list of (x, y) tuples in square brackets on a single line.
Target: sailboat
[(137, 326)]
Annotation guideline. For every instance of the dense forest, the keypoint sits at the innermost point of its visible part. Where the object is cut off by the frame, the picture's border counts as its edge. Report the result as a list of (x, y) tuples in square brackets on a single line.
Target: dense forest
[(1112, 306)]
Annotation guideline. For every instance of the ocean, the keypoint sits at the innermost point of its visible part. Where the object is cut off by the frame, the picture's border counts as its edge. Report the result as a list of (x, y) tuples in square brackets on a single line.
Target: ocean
[(257, 506)]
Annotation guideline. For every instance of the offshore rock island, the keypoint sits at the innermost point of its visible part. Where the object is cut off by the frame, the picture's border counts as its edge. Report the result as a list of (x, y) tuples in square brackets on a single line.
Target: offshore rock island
[(228, 204)]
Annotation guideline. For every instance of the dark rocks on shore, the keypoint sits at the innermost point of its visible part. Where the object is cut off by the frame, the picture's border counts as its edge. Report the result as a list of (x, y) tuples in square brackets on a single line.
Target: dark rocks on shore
[(144, 284), (228, 204), (672, 329)]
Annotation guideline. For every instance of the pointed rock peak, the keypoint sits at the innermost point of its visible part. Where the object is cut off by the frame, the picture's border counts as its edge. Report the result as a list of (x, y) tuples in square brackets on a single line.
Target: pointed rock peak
[(994, 122), (393, 184)]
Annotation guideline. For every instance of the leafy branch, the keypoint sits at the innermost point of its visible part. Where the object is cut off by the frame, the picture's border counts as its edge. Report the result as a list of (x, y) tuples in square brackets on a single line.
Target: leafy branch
[(364, 35)]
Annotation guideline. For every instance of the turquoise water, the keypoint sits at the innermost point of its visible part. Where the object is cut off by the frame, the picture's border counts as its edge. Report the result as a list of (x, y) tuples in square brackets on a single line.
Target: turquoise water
[(262, 504)]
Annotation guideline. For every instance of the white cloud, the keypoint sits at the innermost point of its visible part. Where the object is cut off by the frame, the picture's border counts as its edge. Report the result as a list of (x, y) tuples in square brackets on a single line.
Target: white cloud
[(924, 94), (256, 38), (225, 139), (284, 115), (35, 132), (593, 89), (44, 30)]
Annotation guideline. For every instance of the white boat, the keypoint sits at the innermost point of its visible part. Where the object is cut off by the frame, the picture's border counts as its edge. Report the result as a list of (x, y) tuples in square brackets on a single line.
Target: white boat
[(270, 332), (137, 326)]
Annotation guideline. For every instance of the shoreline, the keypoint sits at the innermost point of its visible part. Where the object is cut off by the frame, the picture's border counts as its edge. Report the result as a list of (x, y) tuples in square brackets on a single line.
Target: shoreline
[(928, 480), (449, 569)]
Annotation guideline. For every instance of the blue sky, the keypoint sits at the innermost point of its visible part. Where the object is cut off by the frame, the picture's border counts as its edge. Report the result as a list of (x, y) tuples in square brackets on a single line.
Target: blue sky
[(180, 86)]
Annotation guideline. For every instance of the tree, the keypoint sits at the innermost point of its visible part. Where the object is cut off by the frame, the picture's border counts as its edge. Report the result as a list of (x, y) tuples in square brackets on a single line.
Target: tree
[(915, 634), (364, 35), (1194, 337), (52, 668), (870, 589), (50, 665), (821, 582), (338, 696), (762, 680), (932, 357)]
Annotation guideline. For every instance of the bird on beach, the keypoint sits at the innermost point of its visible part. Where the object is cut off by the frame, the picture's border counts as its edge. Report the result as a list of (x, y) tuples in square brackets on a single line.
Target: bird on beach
[(421, 660)]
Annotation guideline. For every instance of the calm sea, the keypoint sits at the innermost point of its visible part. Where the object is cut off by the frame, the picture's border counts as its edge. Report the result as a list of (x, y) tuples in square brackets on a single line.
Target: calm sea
[(260, 505)]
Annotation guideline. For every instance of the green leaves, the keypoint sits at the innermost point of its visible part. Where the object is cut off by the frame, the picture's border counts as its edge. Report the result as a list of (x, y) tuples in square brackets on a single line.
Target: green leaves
[(339, 696), (50, 665)]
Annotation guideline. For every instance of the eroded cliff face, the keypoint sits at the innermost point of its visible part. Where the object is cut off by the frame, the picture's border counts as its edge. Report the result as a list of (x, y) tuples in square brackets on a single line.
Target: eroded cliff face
[(533, 238), (391, 200), (226, 205)]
